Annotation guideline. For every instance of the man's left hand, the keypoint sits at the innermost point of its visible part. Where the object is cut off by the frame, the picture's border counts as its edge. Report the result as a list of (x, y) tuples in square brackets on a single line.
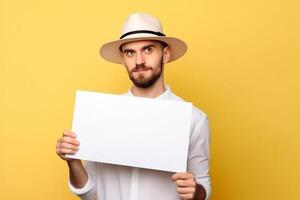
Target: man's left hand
[(186, 185)]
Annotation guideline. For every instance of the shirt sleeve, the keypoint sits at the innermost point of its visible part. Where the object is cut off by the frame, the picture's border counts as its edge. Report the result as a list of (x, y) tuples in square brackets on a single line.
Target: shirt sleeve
[(88, 191), (199, 155)]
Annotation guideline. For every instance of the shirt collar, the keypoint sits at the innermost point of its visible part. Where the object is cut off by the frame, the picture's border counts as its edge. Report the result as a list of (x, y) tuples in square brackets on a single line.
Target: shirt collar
[(164, 95)]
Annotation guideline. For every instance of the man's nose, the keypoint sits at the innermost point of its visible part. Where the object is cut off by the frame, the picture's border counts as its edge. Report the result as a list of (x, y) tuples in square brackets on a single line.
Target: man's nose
[(139, 59)]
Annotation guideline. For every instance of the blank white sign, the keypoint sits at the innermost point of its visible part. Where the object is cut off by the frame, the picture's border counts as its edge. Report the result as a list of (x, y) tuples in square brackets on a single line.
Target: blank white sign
[(132, 131)]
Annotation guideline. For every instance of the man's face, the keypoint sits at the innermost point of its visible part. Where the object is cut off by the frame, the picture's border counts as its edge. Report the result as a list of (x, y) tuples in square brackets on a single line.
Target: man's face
[(144, 61)]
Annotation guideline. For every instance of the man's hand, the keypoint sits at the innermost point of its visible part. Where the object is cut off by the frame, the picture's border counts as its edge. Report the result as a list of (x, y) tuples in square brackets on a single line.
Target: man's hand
[(67, 144), (186, 185)]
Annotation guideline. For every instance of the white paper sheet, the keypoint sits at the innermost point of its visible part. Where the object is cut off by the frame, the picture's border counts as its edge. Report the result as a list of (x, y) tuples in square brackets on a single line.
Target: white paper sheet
[(132, 131)]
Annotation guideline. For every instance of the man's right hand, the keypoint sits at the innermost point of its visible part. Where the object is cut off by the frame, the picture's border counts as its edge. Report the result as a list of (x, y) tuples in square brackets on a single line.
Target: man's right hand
[(67, 144)]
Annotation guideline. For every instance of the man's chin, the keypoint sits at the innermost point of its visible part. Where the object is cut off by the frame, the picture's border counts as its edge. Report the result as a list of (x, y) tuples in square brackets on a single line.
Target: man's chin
[(143, 84), (143, 81)]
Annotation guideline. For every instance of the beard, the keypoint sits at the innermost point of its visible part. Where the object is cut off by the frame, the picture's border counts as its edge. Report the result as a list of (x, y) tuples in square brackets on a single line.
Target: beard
[(142, 81)]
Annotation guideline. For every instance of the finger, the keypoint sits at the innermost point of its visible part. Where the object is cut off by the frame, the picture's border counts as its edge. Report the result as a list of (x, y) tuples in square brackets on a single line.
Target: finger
[(69, 133), (185, 183), (186, 190), (186, 196), (65, 151), (65, 145), (182, 175), (70, 140)]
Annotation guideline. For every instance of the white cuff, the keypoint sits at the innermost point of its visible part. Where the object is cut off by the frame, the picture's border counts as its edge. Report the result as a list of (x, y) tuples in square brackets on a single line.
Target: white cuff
[(86, 188)]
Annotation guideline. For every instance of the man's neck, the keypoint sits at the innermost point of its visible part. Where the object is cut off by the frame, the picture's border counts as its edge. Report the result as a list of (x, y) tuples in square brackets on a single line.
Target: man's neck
[(151, 92)]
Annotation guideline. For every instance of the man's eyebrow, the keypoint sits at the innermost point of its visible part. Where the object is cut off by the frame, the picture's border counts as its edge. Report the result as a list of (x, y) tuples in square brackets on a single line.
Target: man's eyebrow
[(143, 48), (127, 49), (148, 46)]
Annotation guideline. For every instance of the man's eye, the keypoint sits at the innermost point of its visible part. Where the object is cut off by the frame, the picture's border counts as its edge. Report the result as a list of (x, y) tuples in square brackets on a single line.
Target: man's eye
[(148, 50), (129, 53)]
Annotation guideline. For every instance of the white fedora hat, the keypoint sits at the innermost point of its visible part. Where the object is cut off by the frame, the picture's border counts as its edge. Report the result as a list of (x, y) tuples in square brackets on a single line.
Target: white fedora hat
[(141, 26)]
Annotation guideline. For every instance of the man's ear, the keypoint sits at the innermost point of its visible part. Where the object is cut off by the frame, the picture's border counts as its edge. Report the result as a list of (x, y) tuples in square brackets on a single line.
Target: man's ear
[(166, 54)]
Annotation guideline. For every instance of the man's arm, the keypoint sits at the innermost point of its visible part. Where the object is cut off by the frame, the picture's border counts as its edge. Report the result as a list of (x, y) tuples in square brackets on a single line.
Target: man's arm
[(77, 173), (68, 144), (199, 155)]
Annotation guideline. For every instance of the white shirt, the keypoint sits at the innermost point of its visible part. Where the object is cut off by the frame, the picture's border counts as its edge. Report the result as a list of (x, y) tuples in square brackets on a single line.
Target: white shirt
[(115, 182)]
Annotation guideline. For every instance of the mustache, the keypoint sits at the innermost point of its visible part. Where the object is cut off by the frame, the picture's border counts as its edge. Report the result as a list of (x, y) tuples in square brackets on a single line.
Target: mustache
[(141, 67)]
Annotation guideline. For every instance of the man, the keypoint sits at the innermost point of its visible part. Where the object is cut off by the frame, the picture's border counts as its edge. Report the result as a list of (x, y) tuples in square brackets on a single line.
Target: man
[(143, 49)]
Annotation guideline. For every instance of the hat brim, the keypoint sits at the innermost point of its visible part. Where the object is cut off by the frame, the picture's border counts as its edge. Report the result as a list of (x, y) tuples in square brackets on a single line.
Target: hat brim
[(111, 52)]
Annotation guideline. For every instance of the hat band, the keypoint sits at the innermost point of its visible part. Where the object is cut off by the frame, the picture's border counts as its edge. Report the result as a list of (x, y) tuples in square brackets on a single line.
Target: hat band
[(142, 31)]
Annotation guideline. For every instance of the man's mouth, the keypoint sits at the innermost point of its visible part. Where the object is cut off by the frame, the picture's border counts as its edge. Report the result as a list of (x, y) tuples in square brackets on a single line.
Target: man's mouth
[(141, 69)]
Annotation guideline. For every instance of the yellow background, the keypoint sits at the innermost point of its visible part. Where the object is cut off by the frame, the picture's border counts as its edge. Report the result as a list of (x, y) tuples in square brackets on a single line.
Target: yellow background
[(242, 69)]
